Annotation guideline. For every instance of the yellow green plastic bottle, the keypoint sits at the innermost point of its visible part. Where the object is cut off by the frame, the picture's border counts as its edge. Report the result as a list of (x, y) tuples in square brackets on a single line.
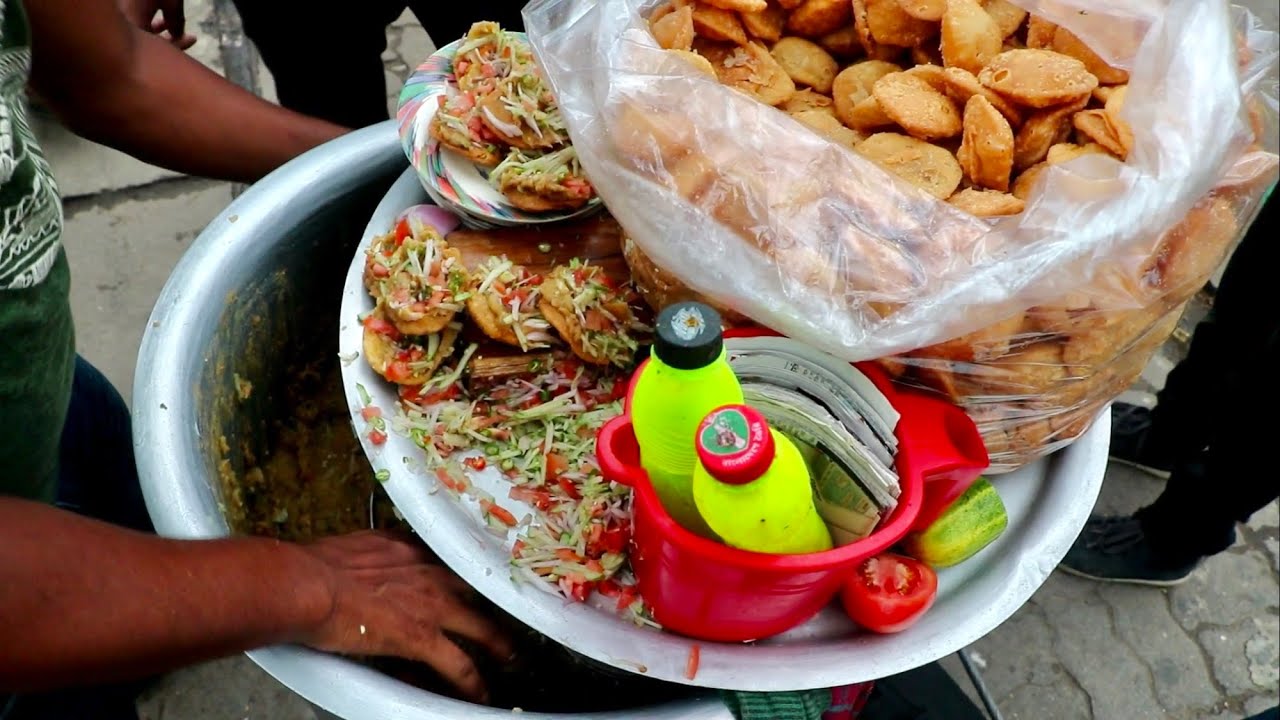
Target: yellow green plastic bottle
[(752, 486), (687, 376)]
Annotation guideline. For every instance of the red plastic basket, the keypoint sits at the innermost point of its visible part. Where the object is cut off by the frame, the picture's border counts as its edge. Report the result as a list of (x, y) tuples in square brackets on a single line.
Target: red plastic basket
[(703, 589)]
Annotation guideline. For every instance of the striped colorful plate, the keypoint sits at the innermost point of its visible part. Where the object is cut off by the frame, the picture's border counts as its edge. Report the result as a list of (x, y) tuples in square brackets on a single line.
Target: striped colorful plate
[(451, 180)]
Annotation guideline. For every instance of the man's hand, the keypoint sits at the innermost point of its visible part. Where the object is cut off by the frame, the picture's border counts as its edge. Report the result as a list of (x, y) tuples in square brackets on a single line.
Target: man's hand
[(387, 600), (101, 604), (160, 17), (118, 84)]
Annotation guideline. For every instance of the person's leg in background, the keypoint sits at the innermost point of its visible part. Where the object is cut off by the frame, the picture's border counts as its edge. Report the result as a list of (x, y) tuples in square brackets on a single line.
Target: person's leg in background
[(97, 475), (325, 56), (1220, 481), (97, 478), (1175, 430)]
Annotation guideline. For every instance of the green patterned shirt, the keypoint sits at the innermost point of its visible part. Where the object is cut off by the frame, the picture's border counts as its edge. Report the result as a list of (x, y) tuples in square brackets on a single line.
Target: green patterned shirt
[(37, 340)]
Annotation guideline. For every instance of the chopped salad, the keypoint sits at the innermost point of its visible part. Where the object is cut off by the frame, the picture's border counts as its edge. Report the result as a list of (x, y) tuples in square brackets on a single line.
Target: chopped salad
[(539, 432)]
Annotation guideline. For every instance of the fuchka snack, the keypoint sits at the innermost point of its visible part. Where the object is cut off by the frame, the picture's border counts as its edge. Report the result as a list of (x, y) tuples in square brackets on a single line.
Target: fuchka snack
[(501, 115)]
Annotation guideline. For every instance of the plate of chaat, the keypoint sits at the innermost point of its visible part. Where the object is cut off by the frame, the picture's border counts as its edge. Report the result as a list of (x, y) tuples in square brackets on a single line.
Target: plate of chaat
[(480, 125)]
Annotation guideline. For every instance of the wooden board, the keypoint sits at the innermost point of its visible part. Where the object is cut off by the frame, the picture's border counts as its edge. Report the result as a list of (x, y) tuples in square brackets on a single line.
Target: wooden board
[(597, 240)]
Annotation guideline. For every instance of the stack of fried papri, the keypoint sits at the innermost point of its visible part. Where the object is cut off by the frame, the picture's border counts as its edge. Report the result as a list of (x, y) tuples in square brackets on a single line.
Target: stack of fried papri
[(964, 99)]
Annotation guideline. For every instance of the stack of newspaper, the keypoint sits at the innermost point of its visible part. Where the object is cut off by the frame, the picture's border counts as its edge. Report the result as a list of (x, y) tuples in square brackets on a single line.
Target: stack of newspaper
[(841, 422)]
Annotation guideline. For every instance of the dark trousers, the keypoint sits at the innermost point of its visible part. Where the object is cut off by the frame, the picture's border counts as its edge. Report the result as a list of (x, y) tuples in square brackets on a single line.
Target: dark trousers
[(97, 478), (1217, 410), (326, 56)]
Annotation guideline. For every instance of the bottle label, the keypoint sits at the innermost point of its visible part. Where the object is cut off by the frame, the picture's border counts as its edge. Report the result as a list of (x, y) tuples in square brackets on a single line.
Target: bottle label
[(727, 434), (735, 445), (688, 323)]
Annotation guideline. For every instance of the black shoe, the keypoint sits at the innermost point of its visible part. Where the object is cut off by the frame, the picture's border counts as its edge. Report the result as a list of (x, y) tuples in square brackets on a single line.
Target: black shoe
[(1115, 549), (1130, 427)]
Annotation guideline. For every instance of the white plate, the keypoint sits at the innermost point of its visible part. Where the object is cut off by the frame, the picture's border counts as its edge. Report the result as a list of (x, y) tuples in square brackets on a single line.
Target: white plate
[(1048, 503), (451, 180)]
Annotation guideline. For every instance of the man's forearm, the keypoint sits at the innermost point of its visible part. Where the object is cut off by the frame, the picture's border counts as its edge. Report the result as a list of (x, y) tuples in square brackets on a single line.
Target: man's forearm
[(82, 601), (169, 110)]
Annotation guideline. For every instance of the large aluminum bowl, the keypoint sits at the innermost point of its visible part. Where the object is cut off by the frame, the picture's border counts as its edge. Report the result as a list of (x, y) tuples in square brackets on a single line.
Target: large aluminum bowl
[(248, 298)]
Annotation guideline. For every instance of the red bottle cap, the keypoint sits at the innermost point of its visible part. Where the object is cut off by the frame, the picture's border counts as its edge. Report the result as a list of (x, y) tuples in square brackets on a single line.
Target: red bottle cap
[(735, 445)]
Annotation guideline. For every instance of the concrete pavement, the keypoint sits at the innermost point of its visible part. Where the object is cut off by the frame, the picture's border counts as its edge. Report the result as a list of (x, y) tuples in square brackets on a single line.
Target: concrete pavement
[(1204, 651)]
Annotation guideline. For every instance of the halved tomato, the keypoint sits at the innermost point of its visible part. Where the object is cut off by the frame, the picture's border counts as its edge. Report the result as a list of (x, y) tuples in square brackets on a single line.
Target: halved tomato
[(888, 593)]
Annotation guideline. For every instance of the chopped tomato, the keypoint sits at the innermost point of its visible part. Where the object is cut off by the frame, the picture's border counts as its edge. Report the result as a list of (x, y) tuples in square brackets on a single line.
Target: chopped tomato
[(568, 366), (627, 598), (597, 321), (448, 480), (377, 437), (520, 295), (380, 326), (460, 66), (579, 276), (557, 464), (578, 186), (465, 102), (540, 499), (890, 592), (379, 270), (503, 515), (568, 555), (370, 412), (419, 307), (569, 488), (403, 232), (411, 393), (614, 539), (609, 588), (577, 587), (414, 394), (691, 665), (516, 548), (499, 287), (398, 371), (476, 463), (488, 70), (619, 391)]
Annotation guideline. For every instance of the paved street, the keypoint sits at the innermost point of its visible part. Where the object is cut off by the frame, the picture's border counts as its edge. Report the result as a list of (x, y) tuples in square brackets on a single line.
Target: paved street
[(1206, 650)]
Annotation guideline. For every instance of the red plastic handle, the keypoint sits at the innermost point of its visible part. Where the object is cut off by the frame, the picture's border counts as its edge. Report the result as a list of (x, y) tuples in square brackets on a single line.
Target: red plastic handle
[(943, 446), (618, 454)]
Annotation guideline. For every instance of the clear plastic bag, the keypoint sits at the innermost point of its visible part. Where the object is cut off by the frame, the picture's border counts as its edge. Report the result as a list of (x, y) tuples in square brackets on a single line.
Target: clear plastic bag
[(1033, 321)]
